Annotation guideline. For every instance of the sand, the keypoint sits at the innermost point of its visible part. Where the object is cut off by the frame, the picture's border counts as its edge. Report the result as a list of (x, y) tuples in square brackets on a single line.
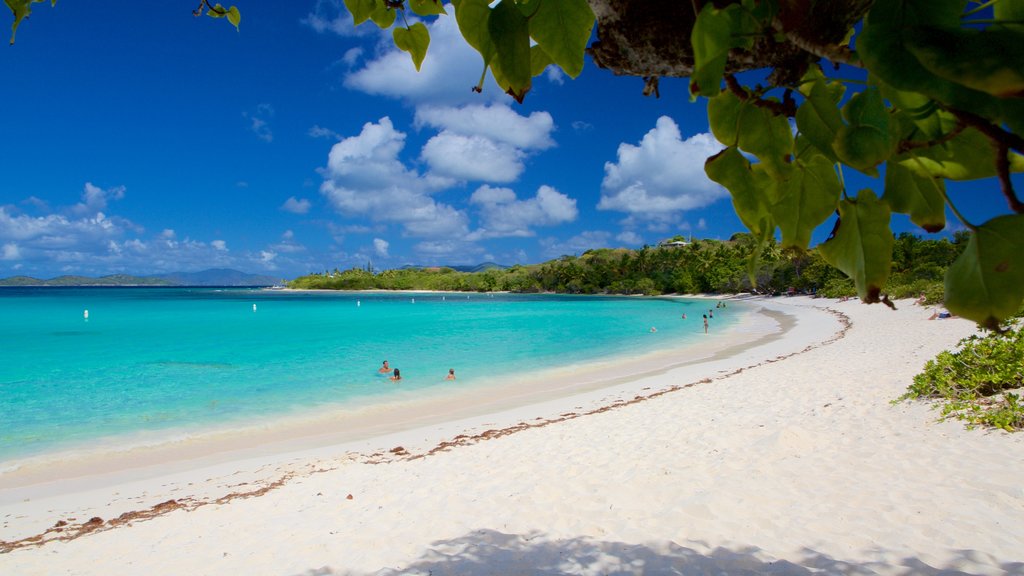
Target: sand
[(786, 458)]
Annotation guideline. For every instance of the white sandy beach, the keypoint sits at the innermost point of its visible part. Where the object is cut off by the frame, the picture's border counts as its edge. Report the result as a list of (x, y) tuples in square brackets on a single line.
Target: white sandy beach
[(783, 459)]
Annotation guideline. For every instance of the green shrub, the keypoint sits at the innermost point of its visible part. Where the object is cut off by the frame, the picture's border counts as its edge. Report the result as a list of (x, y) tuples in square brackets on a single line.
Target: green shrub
[(973, 383)]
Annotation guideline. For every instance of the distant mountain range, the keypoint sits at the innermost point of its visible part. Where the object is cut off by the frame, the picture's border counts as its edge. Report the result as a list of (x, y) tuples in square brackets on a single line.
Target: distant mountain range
[(211, 277)]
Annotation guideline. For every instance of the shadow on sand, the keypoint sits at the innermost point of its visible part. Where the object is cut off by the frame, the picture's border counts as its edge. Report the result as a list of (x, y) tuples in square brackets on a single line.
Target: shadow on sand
[(488, 552)]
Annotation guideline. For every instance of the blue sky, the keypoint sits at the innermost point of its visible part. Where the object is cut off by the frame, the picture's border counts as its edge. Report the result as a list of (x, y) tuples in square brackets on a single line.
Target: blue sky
[(144, 141)]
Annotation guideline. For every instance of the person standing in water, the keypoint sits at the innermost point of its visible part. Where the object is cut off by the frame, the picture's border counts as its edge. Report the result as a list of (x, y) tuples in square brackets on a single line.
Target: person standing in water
[(396, 376), (705, 323), (451, 374), (385, 368)]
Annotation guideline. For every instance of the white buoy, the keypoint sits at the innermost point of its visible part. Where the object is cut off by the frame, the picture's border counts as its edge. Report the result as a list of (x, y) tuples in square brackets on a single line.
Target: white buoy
[(253, 307), (85, 314), (442, 298), (358, 303), (413, 300)]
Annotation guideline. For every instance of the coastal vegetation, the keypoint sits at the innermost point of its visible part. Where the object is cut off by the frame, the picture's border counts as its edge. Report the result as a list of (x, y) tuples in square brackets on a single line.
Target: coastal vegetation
[(978, 383), (674, 267)]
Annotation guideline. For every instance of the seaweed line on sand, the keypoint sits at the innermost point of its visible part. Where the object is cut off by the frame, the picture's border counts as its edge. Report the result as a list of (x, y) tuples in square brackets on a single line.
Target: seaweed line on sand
[(64, 531)]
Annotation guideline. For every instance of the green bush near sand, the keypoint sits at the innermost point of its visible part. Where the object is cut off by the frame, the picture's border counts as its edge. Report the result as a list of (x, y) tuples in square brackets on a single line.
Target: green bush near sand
[(975, 383)]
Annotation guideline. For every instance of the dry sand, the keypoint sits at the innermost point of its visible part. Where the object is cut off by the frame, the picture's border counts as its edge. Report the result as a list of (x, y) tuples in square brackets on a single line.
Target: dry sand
[(745, 465)]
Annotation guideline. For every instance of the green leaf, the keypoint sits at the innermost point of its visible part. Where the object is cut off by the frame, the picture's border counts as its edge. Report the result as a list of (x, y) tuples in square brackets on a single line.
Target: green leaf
[(989, 61), (510, 32), (986, 283), (472, 17), (539, 60), (865, 142), (891, 27), (805, 200), (921, 197), (1009, 13), (730, 169), (723, 116), (234, 17), (427, 7), (383, 16), (361, 9), (767, 136), (711, 39), (414, 40), (714, 33), (562, 28), (861, 244), (818, 117), (968, 156)]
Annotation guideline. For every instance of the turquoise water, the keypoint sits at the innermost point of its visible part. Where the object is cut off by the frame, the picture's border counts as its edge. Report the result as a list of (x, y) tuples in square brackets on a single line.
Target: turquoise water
[(154, 359)]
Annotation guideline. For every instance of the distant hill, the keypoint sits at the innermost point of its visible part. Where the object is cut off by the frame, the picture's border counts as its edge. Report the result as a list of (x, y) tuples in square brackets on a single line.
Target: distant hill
[(217, 277), (474, 268), (111, 280), (212, 277)]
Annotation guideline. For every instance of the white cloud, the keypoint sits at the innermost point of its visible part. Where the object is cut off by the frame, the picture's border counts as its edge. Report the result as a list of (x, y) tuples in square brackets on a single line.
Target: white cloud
[(10, 252), (380, 246), (318, 131), (497, 122), (662, 176), (502, 214), (168, 234), (476, 158), (96, 199), (630, 237), (364, 177), (296, 206), (587, 240), (330, 16), (219, 245), (449, 71), (482, 143)]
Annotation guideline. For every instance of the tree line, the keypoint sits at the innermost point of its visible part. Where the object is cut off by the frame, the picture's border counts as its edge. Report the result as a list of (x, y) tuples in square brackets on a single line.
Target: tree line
[(674, 267)]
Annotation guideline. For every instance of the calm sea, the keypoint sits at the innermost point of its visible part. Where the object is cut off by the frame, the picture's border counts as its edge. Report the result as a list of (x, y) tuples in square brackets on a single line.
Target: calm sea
[(155, 359)]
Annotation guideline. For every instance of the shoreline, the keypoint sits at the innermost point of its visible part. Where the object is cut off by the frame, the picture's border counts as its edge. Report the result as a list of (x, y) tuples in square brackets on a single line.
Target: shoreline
[(547, 395), (795, 463)]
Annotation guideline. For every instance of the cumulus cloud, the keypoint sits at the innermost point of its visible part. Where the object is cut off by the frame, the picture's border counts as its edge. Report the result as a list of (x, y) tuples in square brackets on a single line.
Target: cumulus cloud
[(380, 246), (661, 176), (219, 245), (476, 158), (365, 177), (587, 240), (496, 122), (318, 131), (482, 143), (96, 199), (630, 237), (296, 206), (502, 214), (449, 71)]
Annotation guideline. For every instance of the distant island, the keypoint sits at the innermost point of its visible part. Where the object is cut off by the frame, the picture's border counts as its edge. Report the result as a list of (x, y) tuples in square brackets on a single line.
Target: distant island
[(211, 277)]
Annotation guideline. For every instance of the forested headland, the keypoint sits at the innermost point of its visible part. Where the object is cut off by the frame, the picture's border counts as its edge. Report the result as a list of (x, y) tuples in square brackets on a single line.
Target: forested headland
[(676, 266)]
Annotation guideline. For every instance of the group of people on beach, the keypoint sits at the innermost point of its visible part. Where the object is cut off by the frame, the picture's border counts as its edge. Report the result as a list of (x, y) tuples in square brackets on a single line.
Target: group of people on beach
[(396, 374)]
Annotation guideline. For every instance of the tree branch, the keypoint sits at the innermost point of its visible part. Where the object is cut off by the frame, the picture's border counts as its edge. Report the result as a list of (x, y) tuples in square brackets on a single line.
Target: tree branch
[(785, 108), (995, 133), (906, 145), (1003, 169)]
